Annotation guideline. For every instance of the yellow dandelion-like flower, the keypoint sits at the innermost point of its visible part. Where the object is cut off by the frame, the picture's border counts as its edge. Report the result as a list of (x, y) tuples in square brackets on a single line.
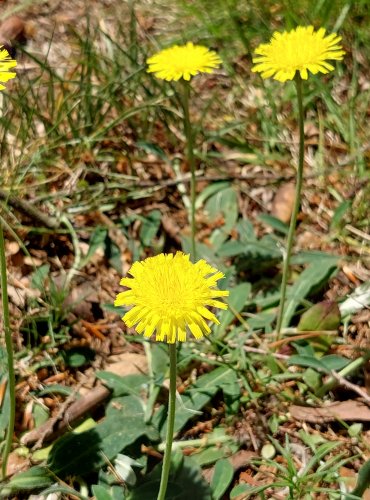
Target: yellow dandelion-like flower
[(170, 295), (6, 62), (183, 61), (301, 49)]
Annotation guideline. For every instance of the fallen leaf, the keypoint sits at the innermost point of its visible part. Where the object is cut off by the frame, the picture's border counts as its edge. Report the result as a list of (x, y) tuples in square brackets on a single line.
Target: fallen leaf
[(239, 460), (12, 30), (351, 410), (128, 363), (282, 205), (17, 462)]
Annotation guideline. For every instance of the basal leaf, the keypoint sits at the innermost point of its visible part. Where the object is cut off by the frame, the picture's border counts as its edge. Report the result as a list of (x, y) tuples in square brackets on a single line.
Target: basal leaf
[(222, 477), (79, 454), (196, 397), (36, 478), (313, 276)]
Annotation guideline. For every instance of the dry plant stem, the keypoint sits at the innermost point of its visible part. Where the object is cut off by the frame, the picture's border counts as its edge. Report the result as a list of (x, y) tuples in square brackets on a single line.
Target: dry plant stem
[(28, 209), (9, 352), (297, 201), (189, 134), (170, 423), (332, 381), (353, 387)]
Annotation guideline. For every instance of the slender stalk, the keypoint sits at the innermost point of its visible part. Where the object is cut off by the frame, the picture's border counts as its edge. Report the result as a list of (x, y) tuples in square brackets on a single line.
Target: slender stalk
[(297, 202), (170, 423), (189, 134), (9, 351)]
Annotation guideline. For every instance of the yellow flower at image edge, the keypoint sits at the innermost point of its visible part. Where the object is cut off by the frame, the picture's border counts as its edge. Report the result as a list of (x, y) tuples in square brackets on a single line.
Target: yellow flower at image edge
[(6, 62), (183, 61), (301, 49), (170, 295)]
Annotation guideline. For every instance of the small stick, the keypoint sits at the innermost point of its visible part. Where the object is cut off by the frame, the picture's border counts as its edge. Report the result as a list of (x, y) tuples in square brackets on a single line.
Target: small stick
[(52, 428), (353, 387), (28, 209)]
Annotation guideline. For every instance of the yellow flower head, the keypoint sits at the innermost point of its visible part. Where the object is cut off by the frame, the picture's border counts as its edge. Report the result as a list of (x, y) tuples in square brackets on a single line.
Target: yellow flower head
[(6, 62), (183, 61), (170, 295), (301, 49)]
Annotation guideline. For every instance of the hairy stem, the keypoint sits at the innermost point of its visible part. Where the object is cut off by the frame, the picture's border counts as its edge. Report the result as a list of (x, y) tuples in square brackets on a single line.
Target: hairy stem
[(297, 202), (9, 351), (170, 423), (189, 134)]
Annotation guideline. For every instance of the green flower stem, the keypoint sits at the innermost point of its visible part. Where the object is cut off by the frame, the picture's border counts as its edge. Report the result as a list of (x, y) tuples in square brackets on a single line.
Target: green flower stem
[(297, 202), (9, 351), (170, 423), (189, 134)]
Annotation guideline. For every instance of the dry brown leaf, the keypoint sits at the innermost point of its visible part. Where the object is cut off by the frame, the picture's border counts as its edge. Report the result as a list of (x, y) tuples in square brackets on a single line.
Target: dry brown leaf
[(282, 205), (345, 410), (128, 363), (239, 460), (17, 463), (11, 30)]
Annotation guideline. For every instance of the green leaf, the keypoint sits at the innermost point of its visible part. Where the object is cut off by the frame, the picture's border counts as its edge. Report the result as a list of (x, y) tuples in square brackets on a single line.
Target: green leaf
[(40, 414), (39, 276), (275, 223), (307, 361), (335, 362), (208, 455), (241, 489), (78, 356), (195, 398), (185, 482), (337, 219), (79, 454), (130, 384), (222, 476), (159, 359), (127, 406), (231, 248), (312, 379), (114, 254), (313, 257), (149, 227), (246, 231), (33, 479), (322, 316), (312, 277), (326, 364), (101, 492), (97, 240), (212, 189), (152, 148), (265, 248), (237, 300), (224, 202), (363, 481)]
